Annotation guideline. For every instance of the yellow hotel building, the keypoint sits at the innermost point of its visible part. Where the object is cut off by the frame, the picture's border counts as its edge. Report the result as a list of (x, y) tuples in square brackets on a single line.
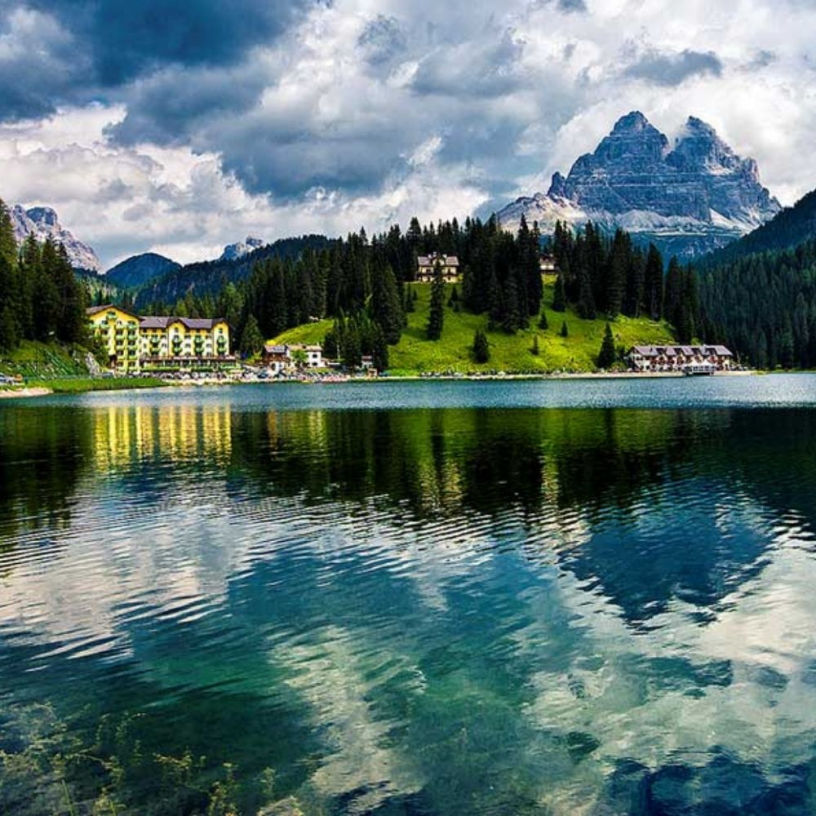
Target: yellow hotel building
[(135, 342)]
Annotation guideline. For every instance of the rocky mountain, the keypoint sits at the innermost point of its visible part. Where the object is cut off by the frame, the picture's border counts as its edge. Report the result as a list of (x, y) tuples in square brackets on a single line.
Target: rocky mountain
[(688, 198), (139, 269), (789, 229), (238, 250), (42, 222)]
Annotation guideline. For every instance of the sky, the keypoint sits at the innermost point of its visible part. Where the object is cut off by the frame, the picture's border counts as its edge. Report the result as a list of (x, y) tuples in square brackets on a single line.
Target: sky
[(181, 125)]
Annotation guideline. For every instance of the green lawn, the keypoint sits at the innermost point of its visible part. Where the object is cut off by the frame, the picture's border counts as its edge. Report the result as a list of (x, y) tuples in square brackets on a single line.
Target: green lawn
[(62, 369), (510, 353), (33, 359)]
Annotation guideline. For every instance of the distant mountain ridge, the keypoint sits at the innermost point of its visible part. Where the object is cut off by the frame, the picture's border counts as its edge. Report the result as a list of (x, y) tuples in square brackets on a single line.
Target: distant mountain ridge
[(207, 277), (689, 199), (139, 269), (42, 223)]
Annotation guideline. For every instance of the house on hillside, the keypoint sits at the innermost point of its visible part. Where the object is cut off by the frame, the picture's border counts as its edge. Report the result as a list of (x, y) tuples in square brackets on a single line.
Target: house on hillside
[(426, 267), (547, 265), (675, 358)]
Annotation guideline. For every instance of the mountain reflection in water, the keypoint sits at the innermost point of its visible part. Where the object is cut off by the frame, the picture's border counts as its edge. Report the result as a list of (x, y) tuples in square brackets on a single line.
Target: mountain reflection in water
[(417, 610)]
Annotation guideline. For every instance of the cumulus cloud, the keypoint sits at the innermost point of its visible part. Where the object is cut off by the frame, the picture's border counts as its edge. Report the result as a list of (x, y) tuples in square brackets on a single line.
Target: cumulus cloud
[(125, 200), (311, 114)]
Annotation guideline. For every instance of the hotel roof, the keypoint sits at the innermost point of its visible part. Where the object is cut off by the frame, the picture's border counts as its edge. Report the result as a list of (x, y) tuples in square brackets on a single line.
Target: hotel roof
[(93, 310), (686, 351), (161, 321), (430, 260)]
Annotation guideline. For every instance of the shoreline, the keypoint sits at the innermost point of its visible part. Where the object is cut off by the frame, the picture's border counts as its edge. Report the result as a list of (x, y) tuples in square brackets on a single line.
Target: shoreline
[(19, 393), (44, 390)]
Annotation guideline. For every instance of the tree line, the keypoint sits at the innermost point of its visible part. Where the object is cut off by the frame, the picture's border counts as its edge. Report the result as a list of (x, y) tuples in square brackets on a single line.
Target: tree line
[(360, 282), (608, 276), (40, 296), (763, 306)]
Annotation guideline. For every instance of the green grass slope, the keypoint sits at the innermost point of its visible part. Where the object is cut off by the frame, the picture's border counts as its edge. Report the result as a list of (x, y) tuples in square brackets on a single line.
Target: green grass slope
[(509, 353), (38, 360)]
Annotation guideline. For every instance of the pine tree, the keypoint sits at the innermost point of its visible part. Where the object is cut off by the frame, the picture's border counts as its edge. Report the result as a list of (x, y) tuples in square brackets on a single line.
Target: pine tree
[(606, 357), (495, 301), (251, 337), (277, 310), (47, 306), (385, 305), (653, 284), (511, 319), (586, 300), (9, 324), (559, 303), (619, 260), (673, 292), (436, 315), (535, 349), (351, 349), (481, 348), (379, 349), (8, 244), (528, 250), (564, 330), (542, 322), (330, 344)]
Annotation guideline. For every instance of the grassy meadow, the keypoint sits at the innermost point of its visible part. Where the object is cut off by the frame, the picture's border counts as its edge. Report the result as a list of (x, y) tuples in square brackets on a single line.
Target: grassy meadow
[(510, 353)]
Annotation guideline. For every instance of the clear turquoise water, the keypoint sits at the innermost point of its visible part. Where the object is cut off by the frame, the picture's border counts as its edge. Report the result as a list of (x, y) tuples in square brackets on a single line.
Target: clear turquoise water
[(592, 597)]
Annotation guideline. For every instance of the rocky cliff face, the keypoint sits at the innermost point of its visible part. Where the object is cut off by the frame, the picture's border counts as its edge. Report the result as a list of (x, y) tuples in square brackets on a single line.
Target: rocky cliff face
[(688, 198), (42, 223), (238, 250)]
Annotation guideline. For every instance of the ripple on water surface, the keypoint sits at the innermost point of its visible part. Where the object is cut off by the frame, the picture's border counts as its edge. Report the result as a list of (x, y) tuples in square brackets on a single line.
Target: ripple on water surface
[(431, 609)]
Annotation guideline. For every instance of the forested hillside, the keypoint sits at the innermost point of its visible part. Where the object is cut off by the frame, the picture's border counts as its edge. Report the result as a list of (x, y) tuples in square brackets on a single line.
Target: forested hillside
[(40, 296), (209, 277), (764, 306), (788, 229), (607, 277), (359, 284)]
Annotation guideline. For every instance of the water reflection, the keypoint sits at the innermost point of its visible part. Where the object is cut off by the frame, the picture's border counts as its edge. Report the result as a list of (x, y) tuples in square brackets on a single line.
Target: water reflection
[(425, 611)]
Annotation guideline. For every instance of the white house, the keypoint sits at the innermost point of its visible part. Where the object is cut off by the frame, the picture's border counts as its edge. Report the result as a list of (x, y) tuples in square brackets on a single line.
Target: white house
[(426, 267)]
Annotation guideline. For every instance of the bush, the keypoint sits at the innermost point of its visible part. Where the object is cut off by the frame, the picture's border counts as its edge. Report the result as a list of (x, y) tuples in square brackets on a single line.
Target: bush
[(481, 348)]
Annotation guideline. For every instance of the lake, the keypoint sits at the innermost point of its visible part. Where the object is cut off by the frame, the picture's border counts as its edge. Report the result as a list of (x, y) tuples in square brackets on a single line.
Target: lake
[(562, 597)]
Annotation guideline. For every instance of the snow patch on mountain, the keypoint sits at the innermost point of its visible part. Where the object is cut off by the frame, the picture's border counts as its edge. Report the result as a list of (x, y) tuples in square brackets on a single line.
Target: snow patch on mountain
[(42, 223), (237, 250), (688, 198)]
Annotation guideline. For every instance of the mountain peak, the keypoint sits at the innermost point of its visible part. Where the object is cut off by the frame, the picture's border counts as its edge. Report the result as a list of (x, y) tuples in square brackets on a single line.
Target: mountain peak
[(689, 199), (139, 269), (43, 223), (238, 250), (43, 215), (695, 125), (634, 121)]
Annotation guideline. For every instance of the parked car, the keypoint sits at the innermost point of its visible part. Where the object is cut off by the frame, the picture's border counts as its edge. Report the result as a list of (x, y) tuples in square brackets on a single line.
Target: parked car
[(6, 380)]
